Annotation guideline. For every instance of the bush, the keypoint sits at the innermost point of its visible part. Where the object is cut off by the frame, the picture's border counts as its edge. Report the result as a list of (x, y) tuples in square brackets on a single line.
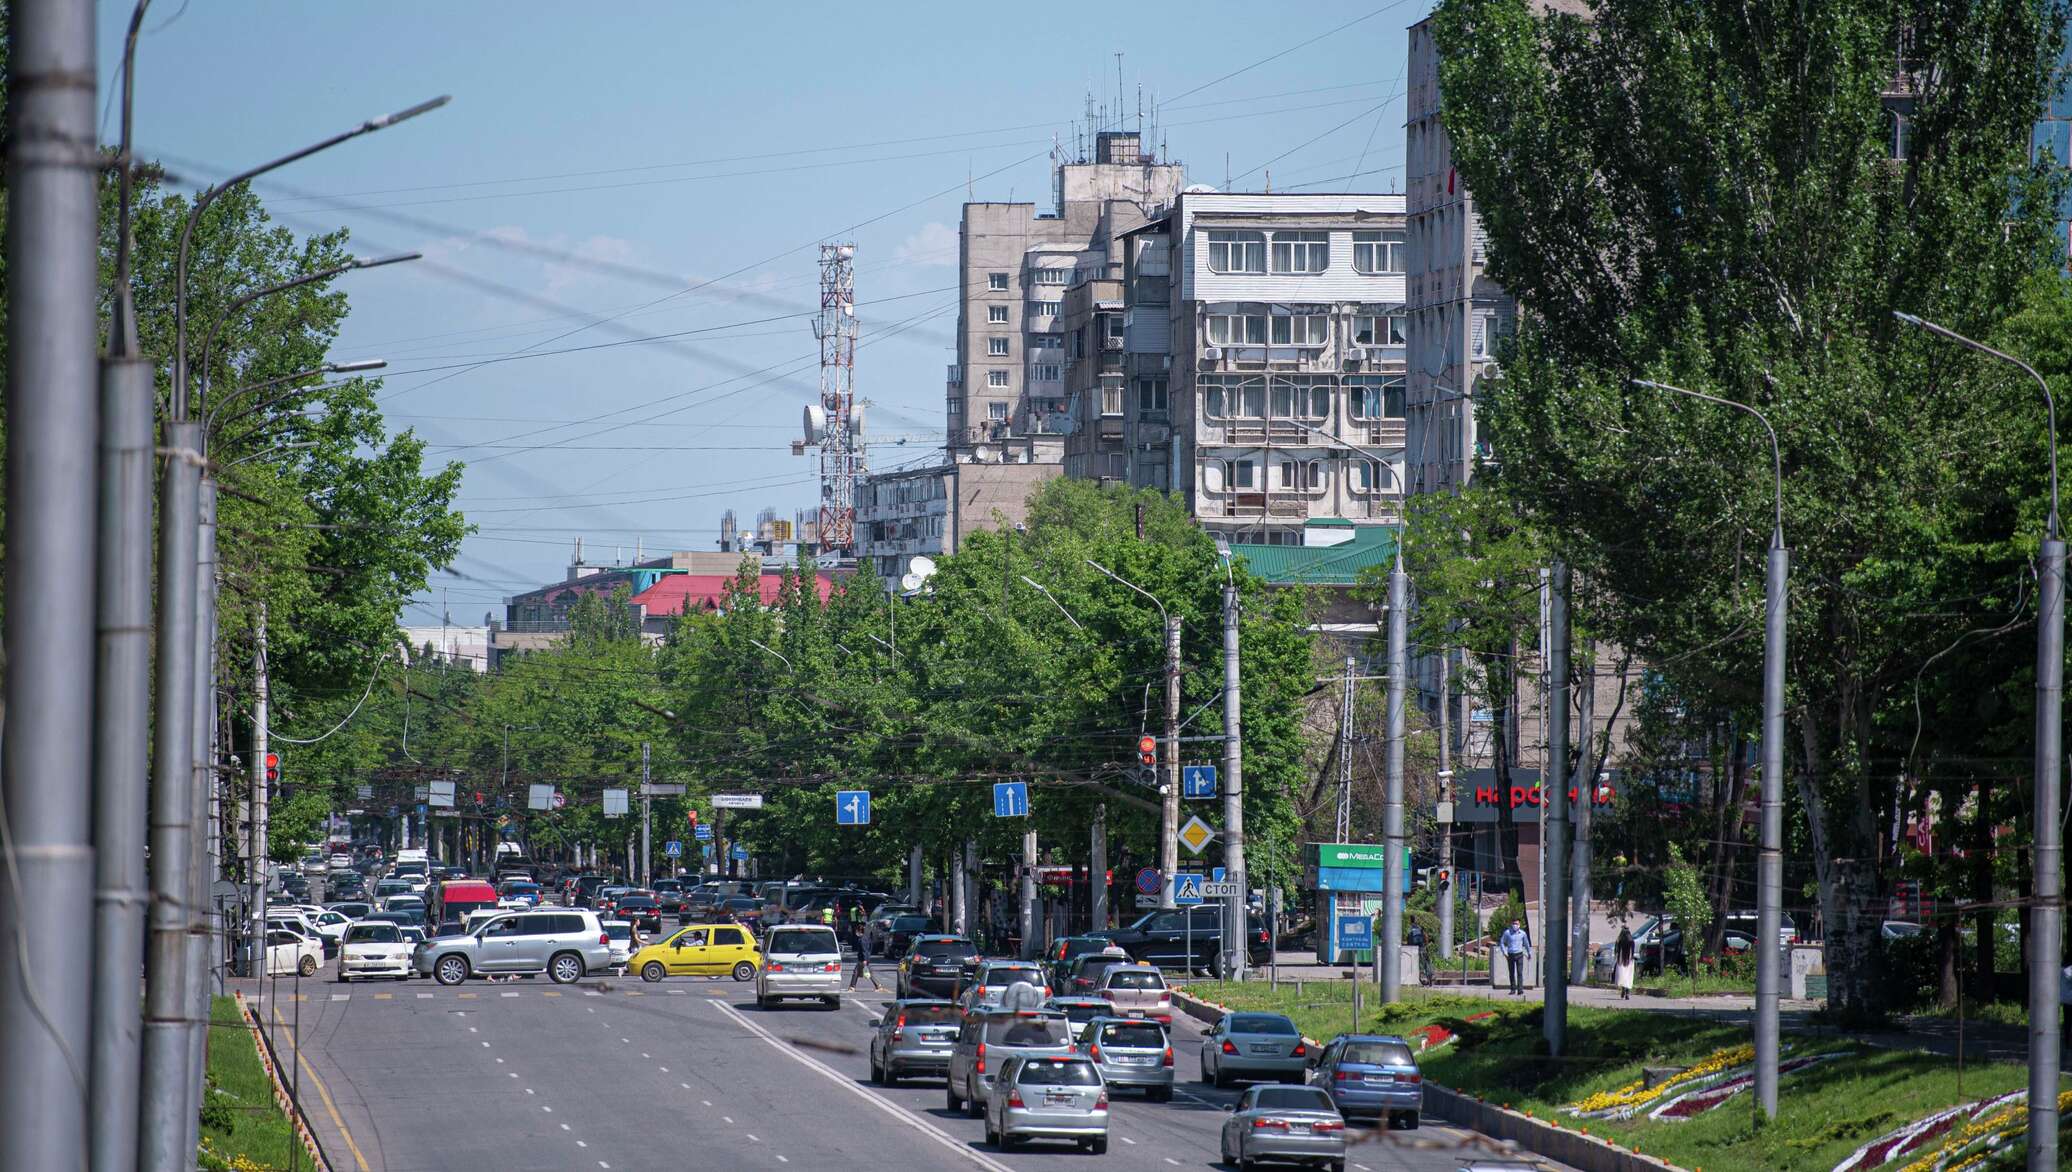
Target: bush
[(1513, 908)]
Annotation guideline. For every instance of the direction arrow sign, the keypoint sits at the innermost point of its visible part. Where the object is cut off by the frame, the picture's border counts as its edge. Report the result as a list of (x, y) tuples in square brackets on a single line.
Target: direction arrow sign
[(1011, 799), (673, 849), (1216, 890), (1187, 888), (740, 853), (1197, 781), (1196, 835), (703, 832), (853, 807)]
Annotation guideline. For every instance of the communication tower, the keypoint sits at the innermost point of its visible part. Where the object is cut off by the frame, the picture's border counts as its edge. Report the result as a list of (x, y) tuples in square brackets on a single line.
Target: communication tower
[(835, 424)]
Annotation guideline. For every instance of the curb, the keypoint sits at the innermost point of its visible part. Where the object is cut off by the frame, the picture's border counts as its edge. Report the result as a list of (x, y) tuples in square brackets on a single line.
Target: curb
[(1538, 1136), (281, 1097)]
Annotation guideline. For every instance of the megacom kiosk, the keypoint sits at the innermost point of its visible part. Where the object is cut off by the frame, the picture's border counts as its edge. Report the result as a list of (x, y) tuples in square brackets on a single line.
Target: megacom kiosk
[(1349, 896)]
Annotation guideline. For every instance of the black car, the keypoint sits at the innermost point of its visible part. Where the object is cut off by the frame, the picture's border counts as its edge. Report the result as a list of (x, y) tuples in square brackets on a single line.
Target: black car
[(1190, 938), (902, 933), (641, 911), (701, 907), (934, 965)]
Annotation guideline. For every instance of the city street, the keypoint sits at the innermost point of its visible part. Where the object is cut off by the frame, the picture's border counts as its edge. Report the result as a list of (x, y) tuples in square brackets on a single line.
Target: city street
[(616, 1073)]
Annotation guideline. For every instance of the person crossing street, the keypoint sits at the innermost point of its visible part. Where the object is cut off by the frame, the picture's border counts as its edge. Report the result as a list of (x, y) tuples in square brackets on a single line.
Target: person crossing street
[(866, 943)]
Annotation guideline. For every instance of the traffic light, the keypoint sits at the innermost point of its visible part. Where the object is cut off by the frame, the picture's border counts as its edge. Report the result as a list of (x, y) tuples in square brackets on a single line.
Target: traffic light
[(273, 767), (692, 817), (1147, 750), (1444, 877)]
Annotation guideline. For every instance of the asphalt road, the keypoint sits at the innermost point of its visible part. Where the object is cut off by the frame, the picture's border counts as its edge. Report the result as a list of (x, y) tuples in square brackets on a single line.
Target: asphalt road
[(620, 1074)]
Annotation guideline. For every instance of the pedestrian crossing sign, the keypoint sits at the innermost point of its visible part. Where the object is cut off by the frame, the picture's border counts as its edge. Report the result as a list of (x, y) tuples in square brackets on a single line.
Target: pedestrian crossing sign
[(1186, 888)]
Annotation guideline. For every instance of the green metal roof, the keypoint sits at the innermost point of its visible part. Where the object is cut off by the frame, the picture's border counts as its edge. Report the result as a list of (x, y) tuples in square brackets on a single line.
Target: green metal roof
[(1321, 565)]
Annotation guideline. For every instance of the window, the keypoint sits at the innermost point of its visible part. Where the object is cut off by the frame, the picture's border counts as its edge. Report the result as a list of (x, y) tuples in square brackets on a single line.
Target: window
[(1240, 474), (1378, 252), (1486, 326), (1237, 252), (1368, 476), (1301, 252), (1302, 475), (996, 347), (1308, 329), (954, 405), (997, 282), (1053, 276), (1111, 325), (1234, 395), (1151, 394), (1044, 308), (1047, 372), (1381, 329), (1374, 396), (1237, 329), (1046, 341), (996, 378), (996, 314), (996, 411), (1300, 398)]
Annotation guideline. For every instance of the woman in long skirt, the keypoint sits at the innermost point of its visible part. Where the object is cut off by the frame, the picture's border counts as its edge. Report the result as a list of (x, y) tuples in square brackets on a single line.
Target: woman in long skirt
[(1622, 964)]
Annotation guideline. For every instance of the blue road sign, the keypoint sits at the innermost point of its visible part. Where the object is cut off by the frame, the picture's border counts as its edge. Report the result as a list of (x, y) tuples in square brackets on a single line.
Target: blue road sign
[(1186, 888), (673, 849), (1197, 781), (1215, 874), (852, 807), (741, 853), (703, 832), (1148, 880), (1011, 799), (1355, 933)]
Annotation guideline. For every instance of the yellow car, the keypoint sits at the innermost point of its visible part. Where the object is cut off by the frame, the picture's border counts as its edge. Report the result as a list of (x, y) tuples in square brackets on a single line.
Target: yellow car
[(701, 950)]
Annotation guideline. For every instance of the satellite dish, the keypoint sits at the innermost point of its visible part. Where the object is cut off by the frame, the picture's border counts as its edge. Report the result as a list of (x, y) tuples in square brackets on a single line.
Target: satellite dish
[(922, 566), (816, 423), (981, 454), (911, 583)]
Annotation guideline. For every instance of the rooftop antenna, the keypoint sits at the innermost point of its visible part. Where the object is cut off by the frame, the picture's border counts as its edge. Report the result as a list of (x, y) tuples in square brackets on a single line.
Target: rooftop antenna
[(1119, 107)]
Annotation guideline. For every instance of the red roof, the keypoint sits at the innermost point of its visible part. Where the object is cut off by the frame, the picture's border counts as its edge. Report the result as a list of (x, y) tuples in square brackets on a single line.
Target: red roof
[(673, 594)]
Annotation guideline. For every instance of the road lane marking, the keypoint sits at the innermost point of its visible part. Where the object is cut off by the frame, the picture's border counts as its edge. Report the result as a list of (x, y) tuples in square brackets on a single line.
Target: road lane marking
[(507, 994), (564, 1127), (1127, 1140), (726, 1119), (547, 1109), (549, 993), (645, 1054), (592, 993), (384, 996), (528, 1090), (663, 1069), (466, 996), (581, 1144), (499, 1062), (476, 1030), (628, 1041), (687, 1086), (783, 1160), (1173, 1162), (873, 1098), (341, 997), (751, 1138), (322, 1092), (424, 996)]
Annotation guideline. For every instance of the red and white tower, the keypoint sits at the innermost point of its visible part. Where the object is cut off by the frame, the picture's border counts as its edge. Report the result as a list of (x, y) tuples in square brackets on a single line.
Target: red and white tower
[(835, 424)]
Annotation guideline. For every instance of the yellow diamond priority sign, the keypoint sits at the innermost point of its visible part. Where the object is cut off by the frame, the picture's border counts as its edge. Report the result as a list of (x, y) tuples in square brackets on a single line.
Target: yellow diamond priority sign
[(1196, 834)]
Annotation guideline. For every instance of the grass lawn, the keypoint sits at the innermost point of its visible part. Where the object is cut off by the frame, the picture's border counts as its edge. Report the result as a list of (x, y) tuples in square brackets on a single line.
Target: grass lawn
[(241, 1128), (1824, 1112)]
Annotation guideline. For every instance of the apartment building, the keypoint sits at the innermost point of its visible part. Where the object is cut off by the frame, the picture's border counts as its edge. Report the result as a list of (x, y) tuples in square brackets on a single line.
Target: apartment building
[(927, 511), (1256, 364)]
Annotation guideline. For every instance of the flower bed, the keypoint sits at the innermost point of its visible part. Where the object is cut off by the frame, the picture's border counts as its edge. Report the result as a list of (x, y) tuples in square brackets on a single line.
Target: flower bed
[(1691, 1104), (1901, 1142), (1628, 1100), (1991, 1129)]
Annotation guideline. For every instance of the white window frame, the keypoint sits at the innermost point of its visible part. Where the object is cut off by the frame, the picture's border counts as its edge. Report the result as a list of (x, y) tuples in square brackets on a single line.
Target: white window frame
[(1237, 329), (996, 315), (1047, 372), (1380, 253), (1152, 395), (1046, 341), (955, 405), (996, 346), (996, 282), (1299, 329), (1381, 329), (997, 378), (1240, 476), (996, 411), (1359, 388), (1300, 252), (1053, 276), (1234, 251), (1045, 308)]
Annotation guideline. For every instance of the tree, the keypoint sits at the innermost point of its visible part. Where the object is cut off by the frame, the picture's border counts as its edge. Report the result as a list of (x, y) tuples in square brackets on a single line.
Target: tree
[(1684, 898), (1708, 195)]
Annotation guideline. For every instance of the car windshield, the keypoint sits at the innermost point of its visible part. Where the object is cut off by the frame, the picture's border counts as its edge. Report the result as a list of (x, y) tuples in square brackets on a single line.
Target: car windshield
[(803, 940), (1138, 1035), (946, 949), (1058, 1073), (909, 923), (997, 977), (372, 934), (1027, 1031), (1293, 1099), (929, 1014), (1261, 1023), (619, 931), (1378, 1054), (1135, 980)]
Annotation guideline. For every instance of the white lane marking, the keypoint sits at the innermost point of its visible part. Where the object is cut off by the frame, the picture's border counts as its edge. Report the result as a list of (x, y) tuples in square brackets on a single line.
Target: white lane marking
[(547, 1109), (1363, 1168), (645, 1054), (514, 1074), (499, 1062), (663, 1069), (473, 1030), (581, 1144), (873, 1098), (587, 1009), (424, 996), (485, 1045), (681, 993), (602, 1164), (783, 1160), (1173, 1162), (707, 1102), (1127, 1140), (528, 1090), (726, 1119), (751, 1138), (592, 993), (341, 997), (507, 994), (628, 1041), (564, 1127)]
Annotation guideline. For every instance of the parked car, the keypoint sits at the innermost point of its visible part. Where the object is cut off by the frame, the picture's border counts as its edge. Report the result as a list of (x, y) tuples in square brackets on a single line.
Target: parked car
[(800, 961), (1190, 938), (374, 949), (914, 1037), (934, 965), (699, 951), (290, 952), (1130, 1052), (1049, 1097), (986, 1040), (1295, 1125), (1253, 1045), (565, 945), (1138, 990), (1371, 1075)]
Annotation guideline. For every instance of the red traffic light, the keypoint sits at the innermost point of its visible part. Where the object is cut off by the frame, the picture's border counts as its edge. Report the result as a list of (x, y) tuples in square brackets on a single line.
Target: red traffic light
[(1147, 750), (1444, 877), (273, 767), (692, 817)]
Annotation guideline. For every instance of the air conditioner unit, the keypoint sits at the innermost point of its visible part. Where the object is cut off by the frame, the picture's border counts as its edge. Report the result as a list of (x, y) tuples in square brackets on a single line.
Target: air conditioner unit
[(1212, 354), (1355, 361)]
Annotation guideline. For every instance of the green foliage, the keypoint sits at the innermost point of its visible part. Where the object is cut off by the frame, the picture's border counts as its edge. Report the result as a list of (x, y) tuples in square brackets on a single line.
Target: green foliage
[(1684, 898)]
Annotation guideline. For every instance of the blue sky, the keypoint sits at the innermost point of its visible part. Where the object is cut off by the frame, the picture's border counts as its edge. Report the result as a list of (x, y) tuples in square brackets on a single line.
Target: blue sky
[(671, 167)]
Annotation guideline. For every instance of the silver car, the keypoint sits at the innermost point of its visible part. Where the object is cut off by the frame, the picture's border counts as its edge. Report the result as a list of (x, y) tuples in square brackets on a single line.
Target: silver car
[(989, 988), (914, 1037), (1292, 1125), (988, 1040), (1131, 1052), (565, 945), (1053, 1097), (1253, 1045), (800, 961)]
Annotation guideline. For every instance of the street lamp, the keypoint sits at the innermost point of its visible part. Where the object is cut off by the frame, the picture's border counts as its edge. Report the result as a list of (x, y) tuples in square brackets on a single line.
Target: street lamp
[(775, 652), (1169, 807), (2046, 922), (1041, 589), (1769, 892)]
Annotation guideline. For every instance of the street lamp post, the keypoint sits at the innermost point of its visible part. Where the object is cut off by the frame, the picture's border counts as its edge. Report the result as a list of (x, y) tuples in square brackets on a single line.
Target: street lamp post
[(1769, 892), (2046, 912), (1169, 806)]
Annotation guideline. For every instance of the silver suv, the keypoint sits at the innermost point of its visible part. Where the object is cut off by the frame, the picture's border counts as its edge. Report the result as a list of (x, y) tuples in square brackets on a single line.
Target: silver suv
[(566, 944), (989, 1039)]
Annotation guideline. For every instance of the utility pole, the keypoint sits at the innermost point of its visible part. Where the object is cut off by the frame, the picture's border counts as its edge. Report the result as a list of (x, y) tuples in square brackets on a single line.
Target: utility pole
[(1395, 847), (1098, 865), (1345, 757), (200, 921), (958, 919), (1169, 807), (1028, 894), (1448, 792), (1236, 924), (47, 890), (1769, 880), (1580, 813), (1554, 813), (647, 817), (255, 850)]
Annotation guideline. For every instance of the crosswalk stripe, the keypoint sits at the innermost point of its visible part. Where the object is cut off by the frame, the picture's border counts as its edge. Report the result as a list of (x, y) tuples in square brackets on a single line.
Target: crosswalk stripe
[(549, 993), (339, 997), (384, 996), (465, 996)]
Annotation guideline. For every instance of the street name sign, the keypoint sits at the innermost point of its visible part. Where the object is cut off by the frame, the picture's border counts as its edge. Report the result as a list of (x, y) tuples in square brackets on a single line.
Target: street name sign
[(737, 801)]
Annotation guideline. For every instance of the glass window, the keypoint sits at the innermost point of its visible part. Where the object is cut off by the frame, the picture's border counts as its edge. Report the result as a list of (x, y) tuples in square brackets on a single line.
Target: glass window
[(1212, 399), (1308, 329), (725, 937), (1374, 396), (1237, 252), (372, 934), (1044, 308), (954, 405), (1293, 1099), (1047, 372), (996, 378), (1135, 980), (1378, 252), (1237, 329), (1378, 1054), (1260, 1023), (1301, 252), (997, 314), (1058, 1072), (996, 410), (1053, 276), (1028, 1031), (1151, 394), (1046, 341), (1380, 329), (997, 282), (1141, 1034), (997, 347), (1241, 474)]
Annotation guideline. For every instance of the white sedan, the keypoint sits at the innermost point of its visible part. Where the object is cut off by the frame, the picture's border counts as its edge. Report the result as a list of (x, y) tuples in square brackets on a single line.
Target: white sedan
[(375, 948), (290, 953)]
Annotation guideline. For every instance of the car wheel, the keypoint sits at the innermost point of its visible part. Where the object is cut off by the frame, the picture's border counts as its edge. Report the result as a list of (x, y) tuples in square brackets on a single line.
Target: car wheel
[(653, 971), (744, 971), (1099, 1146), (1222, 1079), (992, 1137), (834, 1002), (1204, 1066), (1009, 1141), (1338, 1166), (877, 1072), (341, 978), (1410, 1120), (974, 1106), (308, 967), (451, 970), (1161, 1094), (566, 968), (949, 1095), (762, 1002)]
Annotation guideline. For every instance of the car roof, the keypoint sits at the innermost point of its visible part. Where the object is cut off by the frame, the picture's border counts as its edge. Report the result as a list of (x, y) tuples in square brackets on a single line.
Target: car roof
[(925, 1001), (1398, 1040), (1134, 968)]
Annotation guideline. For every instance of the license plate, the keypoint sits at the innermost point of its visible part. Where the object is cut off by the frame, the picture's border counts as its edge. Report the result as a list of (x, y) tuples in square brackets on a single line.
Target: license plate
[(1137, 1059), (1381, 1078), (1264, 1049), (1059, 1098), (1299, 1127)]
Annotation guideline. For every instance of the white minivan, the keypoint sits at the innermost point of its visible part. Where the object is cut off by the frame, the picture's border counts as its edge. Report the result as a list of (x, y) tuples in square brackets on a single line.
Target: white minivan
[(802, 961)]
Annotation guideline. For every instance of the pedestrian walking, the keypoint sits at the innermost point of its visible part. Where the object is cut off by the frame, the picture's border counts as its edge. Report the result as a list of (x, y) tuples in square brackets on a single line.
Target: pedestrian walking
[(1622, 964), (864, 944), (1517, 948)]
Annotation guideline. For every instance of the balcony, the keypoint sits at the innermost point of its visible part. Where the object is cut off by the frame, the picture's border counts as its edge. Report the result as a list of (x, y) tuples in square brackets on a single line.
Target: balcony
[(956, 376)]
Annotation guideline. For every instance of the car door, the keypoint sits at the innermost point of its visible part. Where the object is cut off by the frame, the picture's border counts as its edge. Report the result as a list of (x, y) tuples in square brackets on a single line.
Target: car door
[(499, 950), (691, 955), (1162, 937), (729, 947), (1326, 1062)]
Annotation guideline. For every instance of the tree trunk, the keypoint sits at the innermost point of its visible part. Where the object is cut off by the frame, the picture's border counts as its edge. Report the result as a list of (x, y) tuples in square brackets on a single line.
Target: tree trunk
[(1506, 819), (1981, 860), (1946, 964), (1727, 844)]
